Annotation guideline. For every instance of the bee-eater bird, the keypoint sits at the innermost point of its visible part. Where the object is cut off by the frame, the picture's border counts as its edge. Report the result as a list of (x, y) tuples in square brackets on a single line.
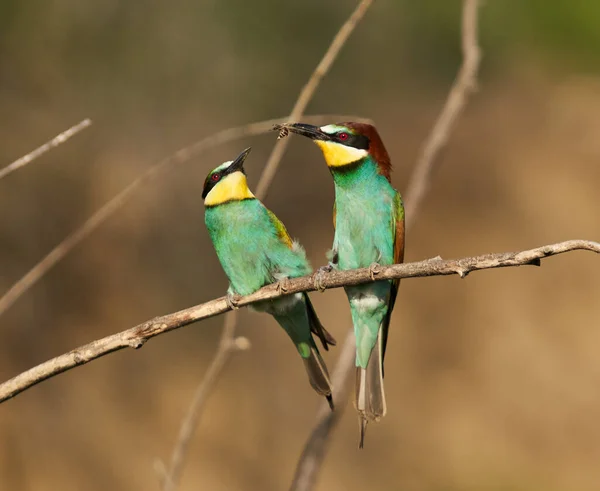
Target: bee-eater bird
[(368, 217), (255, 250)]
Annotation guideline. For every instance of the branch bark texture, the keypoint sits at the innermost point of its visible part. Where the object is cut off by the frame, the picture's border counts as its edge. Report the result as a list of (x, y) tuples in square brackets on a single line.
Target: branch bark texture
[(138, 335)]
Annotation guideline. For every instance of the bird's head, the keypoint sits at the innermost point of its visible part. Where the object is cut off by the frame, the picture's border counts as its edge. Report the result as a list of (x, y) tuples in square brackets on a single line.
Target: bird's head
[(227, 182), (344, 144)]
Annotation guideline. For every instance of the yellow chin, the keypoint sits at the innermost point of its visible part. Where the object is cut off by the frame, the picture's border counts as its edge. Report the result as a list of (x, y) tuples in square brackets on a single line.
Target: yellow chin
[(337, 155), (233, 187)]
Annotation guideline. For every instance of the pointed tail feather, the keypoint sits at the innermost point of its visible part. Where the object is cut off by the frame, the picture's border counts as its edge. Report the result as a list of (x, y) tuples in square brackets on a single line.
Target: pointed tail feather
[(369, 392), (316, 327), (318, 375), (362, 421)]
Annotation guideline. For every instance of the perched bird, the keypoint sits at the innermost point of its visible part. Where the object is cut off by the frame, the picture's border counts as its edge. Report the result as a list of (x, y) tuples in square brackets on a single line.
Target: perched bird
[(368, 217), (255, 250)]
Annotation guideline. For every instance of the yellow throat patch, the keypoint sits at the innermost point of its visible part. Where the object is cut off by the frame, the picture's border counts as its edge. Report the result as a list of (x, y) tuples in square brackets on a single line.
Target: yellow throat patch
[(337, 155), (233, 187)]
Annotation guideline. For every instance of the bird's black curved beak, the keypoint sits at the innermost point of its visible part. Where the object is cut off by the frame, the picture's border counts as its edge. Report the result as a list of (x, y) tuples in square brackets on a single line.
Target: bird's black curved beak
[(238, 163), (307, 130)]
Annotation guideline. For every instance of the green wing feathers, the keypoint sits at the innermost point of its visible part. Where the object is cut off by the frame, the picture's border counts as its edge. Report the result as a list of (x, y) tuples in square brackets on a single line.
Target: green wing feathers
[(398, 234), (397, 229), (282, 232)]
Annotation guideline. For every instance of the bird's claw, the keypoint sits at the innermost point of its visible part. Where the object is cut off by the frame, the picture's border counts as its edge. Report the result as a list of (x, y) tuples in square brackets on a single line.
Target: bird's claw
[(233, 299), (374, 270), (318, 277), (283, 285)]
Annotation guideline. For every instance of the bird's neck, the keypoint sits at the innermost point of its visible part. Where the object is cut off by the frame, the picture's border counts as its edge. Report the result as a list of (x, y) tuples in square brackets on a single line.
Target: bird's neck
[(357, 176)]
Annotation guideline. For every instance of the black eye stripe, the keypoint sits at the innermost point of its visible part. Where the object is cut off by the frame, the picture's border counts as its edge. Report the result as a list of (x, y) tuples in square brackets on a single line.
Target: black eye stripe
[(209, 184), (357, 141)]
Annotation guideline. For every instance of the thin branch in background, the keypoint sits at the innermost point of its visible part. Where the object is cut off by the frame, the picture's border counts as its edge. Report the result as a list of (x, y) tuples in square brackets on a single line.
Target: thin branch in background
[(227, 346), (135, 337), (38, 152), (173, 475), (308, 91), (313, 453), (310, 460), (107, 210), (464, 85)]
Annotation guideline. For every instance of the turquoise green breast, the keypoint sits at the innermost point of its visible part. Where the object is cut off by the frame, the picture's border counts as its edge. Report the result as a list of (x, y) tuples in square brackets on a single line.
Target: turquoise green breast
[(364, 234), (364, 231), (248, 246)]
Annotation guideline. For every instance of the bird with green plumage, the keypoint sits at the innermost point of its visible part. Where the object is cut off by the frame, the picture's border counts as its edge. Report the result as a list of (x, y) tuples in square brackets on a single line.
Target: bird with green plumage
[(368, 218), (255, 250)]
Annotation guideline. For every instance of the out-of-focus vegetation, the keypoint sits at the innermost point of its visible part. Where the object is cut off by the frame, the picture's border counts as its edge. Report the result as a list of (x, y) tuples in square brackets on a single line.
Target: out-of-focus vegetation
[(493, 381)]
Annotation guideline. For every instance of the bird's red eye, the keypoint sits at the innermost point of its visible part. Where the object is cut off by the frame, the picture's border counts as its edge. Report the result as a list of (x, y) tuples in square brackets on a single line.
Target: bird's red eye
[(343, 136), (216, 177)]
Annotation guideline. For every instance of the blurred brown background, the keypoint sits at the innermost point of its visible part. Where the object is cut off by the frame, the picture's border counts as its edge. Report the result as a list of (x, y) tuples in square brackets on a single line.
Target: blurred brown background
[(493, 382)]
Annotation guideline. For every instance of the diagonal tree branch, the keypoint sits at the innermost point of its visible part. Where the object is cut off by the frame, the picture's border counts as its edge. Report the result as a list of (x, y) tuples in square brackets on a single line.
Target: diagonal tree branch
[(313, 453), (107, 210), (138, 335), (227, 346), (309, 463), (49, 145)]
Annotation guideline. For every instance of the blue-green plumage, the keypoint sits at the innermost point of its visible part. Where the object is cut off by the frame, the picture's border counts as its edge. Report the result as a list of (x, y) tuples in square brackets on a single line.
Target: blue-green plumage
[(364, 203), (251, 250), (255, 250), (250, 246), (369, 230)]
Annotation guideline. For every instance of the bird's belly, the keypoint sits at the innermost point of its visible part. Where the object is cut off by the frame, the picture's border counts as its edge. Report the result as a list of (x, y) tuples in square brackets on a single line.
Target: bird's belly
[(250, 249), (369, 299), (279, 306), (364, 238), (247, 270)]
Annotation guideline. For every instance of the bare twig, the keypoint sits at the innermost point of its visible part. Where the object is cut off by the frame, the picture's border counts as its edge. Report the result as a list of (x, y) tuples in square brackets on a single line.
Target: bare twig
[(313, 453), (107, 210), (308, 465), (173, 475), (138, 335), (308, 91), (227, 346), (464, 85), (38, 152)]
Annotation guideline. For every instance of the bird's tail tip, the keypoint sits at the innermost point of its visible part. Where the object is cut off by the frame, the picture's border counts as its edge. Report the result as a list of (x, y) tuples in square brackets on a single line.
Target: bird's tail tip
[(362, 421), (369, 393), (318, 376), (329, 398)]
